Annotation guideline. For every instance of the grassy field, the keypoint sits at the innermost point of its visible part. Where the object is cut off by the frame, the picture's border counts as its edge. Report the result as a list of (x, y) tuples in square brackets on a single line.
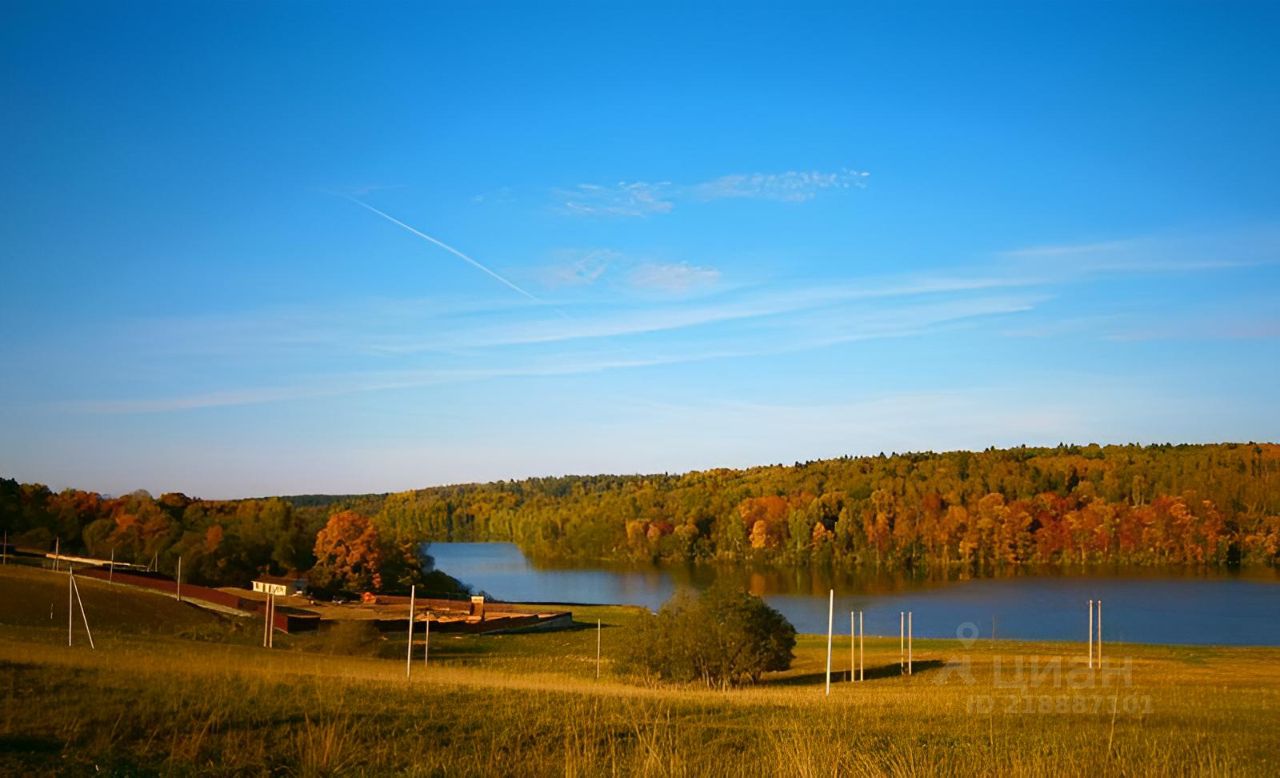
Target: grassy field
[(174, 690)]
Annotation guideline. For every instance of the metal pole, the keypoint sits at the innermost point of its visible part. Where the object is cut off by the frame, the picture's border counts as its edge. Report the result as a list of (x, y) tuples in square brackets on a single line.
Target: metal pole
[(426, 641), (76, 587), (71, 611), (599, 629), (831, 611), (408, 659), (910, 633), (902, 640), (177, 592), (271, 622), (266, 619), (57, 552), (1090, 634)]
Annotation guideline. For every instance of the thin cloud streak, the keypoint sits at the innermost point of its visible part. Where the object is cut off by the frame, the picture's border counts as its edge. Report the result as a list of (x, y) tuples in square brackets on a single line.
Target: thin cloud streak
[(383, 328), (1159, 254), (444, 246), (512, 340), (800, 336), (669, 318), (336, 386)]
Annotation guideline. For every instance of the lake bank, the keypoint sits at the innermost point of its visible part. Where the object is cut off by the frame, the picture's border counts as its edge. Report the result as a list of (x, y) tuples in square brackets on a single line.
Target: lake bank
[(1141, 606)]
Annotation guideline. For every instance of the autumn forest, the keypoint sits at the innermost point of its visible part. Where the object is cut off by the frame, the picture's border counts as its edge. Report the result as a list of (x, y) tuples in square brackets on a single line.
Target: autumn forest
[(980, 512)]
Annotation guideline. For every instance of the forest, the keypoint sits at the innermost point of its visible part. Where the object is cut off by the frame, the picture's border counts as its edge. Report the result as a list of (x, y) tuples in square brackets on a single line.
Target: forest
[(979, 512)]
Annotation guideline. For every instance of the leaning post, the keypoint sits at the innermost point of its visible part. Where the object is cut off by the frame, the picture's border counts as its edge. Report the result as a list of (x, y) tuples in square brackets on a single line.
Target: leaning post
[(88, 632)]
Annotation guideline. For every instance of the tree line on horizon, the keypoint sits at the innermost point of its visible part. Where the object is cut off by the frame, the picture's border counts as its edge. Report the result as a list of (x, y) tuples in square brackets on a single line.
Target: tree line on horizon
[(978, 512), (222, 542), (1216, 504)]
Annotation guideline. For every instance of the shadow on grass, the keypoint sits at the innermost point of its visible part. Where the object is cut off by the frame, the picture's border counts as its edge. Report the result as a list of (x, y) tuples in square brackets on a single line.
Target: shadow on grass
[(578, 625), (875, 673), (28, 744)]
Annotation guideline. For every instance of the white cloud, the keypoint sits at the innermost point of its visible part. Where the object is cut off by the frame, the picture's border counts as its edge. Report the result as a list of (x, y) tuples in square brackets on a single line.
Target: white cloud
[(579, 268), (794, 186), (637, 198), (675, 278), (641, 198)]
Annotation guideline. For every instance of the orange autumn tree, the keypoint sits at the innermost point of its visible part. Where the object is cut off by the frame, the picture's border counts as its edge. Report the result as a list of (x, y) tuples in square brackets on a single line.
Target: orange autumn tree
[(765, 519), (348, 554)]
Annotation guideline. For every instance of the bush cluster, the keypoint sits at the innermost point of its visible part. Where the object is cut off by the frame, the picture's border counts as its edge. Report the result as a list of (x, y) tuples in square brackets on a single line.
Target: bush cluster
[(722, 637)]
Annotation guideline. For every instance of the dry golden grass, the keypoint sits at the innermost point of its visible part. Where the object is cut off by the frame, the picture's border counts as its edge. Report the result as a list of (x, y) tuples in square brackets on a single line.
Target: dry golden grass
[(529, 705)]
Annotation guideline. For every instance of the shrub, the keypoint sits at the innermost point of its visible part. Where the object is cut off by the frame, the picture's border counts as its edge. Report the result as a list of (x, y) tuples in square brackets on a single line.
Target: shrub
[(722, 637)]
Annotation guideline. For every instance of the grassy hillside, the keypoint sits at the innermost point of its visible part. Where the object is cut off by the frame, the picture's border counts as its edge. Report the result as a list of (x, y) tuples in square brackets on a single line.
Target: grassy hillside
[(152, 701), (31, 594)]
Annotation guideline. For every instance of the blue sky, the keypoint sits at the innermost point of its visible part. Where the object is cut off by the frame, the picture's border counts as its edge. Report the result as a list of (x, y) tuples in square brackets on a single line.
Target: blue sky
[(685, 238)]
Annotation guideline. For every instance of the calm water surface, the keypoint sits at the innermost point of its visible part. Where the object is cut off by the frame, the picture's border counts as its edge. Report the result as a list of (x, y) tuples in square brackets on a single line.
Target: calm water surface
[(1156, 608)]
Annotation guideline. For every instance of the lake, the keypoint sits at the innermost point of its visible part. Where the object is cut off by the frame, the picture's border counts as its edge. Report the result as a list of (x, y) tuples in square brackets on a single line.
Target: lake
[(1188, 608)]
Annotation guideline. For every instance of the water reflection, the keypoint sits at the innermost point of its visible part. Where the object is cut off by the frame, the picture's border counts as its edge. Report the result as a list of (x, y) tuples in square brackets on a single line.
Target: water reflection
[(1199, 607)]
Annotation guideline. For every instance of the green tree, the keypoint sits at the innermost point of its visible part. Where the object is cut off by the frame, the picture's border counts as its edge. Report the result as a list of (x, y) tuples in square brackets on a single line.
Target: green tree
[(722, 637)]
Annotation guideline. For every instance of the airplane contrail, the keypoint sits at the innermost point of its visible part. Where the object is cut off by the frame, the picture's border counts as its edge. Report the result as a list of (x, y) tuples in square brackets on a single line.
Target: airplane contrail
[(442, 245)]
